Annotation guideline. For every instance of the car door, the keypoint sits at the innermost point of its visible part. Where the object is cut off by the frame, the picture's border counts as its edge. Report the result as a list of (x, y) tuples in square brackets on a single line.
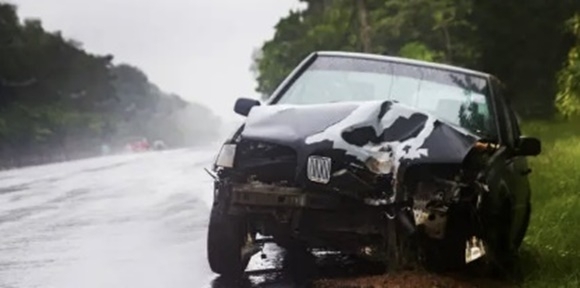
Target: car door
[(516, 166)]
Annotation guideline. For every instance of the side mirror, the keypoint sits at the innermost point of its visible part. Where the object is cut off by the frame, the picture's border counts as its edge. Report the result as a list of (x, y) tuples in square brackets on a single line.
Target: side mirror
[(244, 105), (529, 146)]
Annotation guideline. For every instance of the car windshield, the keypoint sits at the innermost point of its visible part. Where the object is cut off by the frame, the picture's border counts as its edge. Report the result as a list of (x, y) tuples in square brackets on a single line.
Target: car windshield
[(458, 98)]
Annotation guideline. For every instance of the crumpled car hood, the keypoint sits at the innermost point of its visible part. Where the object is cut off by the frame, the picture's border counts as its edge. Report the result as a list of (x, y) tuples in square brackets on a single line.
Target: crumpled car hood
[(391, 132)]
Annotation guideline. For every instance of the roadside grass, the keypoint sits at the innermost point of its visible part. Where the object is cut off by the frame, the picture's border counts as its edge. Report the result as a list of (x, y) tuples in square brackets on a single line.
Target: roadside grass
[(551, 253)]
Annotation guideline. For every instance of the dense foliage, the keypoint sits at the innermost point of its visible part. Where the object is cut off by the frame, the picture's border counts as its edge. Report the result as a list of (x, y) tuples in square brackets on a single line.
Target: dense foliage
[(568, 100), (59, 102), (523, 42)]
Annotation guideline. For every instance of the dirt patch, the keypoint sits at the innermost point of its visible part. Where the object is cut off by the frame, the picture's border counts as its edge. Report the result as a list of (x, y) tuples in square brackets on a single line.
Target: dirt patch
[(409, 280)]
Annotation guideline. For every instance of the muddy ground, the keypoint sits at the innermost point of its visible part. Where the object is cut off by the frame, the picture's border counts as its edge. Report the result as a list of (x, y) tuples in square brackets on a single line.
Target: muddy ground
[(410, 280)]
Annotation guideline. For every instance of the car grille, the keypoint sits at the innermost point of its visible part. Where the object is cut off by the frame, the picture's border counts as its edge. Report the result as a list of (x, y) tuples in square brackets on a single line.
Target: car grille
[(318, 169)]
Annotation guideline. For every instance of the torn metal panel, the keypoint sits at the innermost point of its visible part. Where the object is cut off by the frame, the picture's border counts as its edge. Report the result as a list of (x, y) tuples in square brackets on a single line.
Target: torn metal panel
[(394, 133), (291, 124)]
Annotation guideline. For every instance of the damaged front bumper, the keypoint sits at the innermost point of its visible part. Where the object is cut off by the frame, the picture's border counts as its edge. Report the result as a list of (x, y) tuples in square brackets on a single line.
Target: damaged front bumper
[(268, 195), (337, 218)]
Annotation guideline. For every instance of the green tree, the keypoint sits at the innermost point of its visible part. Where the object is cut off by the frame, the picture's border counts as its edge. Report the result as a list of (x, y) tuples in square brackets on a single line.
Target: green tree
[(324, 25), (522, 42), (568, 98), (58, 99)]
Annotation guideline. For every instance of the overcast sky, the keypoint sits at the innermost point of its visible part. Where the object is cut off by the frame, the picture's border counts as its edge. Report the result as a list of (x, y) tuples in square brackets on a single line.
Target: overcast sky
[(200, 49)]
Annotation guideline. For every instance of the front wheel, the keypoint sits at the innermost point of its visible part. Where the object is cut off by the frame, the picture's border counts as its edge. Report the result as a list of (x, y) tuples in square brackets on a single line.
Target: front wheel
[(227, 238), (500, 250)]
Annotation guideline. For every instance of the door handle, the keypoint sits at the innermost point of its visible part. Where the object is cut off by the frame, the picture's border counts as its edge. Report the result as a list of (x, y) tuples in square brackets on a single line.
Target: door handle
[(526, 172)]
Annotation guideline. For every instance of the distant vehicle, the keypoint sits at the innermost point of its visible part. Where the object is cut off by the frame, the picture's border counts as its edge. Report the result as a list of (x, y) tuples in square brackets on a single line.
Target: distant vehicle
[(159, 145), (105, 149), (140, 145), (394, 159)]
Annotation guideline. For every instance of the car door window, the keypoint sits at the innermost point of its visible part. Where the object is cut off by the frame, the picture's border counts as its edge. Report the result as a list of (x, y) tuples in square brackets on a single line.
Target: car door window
[(514, 123), (506, 127)]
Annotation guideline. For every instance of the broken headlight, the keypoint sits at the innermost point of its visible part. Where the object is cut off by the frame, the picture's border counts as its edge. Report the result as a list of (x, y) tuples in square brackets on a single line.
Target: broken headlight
[(225, 157)]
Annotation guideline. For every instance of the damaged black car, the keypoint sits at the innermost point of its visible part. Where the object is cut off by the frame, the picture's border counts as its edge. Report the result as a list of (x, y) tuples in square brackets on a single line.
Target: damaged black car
[(397, 160)]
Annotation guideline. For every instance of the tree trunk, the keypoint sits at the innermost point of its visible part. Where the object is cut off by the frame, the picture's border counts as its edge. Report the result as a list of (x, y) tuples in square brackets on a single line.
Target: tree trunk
[(365, 29)]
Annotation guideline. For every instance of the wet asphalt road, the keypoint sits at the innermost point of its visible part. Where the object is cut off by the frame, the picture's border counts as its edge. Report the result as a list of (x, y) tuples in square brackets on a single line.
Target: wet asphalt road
[(121, 221), (130, 221)]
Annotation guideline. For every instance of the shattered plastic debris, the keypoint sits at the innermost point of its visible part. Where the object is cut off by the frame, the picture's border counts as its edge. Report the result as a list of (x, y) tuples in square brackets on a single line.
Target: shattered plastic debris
[(474, 249)]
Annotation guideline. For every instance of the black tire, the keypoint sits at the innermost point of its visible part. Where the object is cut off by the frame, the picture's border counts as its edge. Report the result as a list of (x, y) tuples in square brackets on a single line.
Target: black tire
[(299, 262), (498, 262), (226, 238)]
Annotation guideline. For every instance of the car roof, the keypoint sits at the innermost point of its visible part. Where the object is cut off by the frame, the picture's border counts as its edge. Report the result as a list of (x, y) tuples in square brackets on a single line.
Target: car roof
[(401, 60)]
